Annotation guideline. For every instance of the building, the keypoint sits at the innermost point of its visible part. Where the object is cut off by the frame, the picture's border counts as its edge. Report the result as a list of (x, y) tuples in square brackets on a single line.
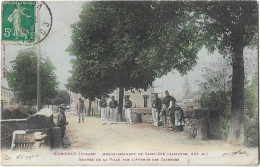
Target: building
[(6, 97), (140, 98), (190, 101), (74, 101)]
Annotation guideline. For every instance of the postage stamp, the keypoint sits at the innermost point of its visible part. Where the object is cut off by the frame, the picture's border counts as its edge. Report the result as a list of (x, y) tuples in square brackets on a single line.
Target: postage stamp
[(25, 22), (18, 21)]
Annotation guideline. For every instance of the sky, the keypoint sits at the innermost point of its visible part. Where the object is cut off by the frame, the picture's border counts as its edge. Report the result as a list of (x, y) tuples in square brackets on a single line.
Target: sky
[(66, 13)]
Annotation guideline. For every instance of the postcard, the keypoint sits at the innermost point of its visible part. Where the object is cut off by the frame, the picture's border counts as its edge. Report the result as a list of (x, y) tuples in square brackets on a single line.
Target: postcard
[(129, 83)]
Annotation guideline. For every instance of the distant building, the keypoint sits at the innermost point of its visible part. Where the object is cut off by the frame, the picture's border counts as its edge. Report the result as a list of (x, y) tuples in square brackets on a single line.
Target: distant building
[(186, 87), (74, 101), (190, 101), (6, 97), (140, 98), (176, 96)]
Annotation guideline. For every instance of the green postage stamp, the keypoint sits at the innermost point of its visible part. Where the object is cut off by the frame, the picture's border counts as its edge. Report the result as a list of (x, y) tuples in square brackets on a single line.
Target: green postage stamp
[(18, 21)]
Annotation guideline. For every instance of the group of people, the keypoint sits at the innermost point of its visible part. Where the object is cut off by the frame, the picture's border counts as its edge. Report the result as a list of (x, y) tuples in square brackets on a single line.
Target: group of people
[(112, 111), (160, 109)]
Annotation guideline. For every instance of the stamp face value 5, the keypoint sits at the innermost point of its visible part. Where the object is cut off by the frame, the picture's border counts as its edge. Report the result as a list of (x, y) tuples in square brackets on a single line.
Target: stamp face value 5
[(18, 21)]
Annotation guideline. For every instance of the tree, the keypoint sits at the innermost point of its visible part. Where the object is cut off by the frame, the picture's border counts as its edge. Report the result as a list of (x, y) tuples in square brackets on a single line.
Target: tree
[(216, 88), (252, 112), (89, 86), (62, 97), (230, 27), (118, 45), (217, 95), (22, 79), (217, 76)]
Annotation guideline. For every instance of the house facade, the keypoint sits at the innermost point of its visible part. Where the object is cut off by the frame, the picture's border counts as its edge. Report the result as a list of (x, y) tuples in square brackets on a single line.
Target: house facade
[(6, 97), (140, 98), (74, 101), (190, 101)]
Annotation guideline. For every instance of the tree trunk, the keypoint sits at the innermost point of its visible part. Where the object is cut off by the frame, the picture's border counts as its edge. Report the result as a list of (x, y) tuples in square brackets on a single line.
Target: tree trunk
[(89, 106), (236, 132), (120, 103)]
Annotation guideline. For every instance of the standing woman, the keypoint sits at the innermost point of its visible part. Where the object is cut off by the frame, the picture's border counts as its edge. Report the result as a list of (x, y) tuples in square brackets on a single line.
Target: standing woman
[(179, 119)]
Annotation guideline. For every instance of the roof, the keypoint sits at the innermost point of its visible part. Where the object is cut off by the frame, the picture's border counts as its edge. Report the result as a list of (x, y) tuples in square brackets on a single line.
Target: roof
[(191, 104)]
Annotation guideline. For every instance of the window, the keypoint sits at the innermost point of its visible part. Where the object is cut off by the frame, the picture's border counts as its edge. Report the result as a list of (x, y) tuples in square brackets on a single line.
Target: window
[(145, 100), (145, 90), (126, 97)]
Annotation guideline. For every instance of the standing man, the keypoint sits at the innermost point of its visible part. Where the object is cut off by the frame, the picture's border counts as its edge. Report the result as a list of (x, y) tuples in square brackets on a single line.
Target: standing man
[(103, 106), (157, 105), (61, 120), (128, 109), (80, 109), (113, 110), (169, 103)]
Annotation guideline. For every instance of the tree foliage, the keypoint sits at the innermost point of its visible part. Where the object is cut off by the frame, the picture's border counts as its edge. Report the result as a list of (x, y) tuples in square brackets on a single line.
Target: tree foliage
[(62, 97), (217, 76), (230, 27), (129, 44), (216, 97), (225, 22), (22, 78), (216, 88), (252, 112)]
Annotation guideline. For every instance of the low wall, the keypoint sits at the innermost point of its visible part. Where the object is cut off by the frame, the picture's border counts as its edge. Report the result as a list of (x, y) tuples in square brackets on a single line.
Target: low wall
[(145, 116), (8, 126), (142, 115), (200, 123), (15, 124), (42, 121)]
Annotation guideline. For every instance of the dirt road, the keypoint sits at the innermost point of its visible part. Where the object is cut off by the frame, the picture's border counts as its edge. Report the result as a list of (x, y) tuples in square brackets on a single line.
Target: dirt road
[(91, 135), (137, 144)]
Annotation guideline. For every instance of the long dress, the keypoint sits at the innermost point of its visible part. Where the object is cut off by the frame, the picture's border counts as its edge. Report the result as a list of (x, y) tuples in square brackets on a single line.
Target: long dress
[(179, 120), (15, 18)]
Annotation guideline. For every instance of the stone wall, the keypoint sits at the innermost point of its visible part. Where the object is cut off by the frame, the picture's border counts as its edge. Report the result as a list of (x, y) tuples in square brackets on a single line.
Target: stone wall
[(146, 116), (15, 124), (142, 115), (8, 126), (203, 123), (199, 123)]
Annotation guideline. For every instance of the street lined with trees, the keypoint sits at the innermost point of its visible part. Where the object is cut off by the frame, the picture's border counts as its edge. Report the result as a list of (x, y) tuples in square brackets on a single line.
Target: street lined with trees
[(129, 44)]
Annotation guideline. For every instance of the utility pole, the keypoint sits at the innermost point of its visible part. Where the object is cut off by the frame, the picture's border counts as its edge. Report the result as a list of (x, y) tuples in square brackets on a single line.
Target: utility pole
[(39, 99)]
